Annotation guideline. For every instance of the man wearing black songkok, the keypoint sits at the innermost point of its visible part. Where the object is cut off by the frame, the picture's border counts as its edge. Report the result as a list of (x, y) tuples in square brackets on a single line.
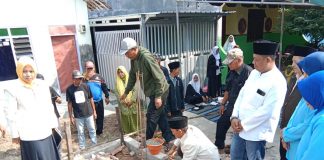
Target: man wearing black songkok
[(191, 141)]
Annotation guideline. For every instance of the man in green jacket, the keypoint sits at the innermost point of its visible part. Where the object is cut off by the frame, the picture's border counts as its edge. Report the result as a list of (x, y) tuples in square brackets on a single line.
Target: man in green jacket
[(154, 85)]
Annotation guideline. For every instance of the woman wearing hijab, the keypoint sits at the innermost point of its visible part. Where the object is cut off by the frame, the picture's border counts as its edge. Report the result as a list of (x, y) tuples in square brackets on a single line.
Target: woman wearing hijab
[(127, 107), (302, 115), (194, 93), (213, 73), (30, 114), (311, 143), (230, 43)]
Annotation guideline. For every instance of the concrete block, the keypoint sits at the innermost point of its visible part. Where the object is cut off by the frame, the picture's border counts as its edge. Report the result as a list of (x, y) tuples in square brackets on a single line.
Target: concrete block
[(132, 144), (106, 147)]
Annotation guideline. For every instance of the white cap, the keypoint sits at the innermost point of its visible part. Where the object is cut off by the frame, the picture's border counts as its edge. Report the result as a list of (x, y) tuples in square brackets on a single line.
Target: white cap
[(127, 44), (232, 55)]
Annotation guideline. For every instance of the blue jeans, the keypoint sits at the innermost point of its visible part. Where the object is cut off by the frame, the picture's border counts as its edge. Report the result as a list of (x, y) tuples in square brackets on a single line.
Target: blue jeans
[(89, 122), (242, 149)]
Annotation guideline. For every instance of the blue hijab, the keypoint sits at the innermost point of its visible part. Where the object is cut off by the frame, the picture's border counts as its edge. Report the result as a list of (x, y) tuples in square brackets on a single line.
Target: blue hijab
[(312, 90), (312, 63)]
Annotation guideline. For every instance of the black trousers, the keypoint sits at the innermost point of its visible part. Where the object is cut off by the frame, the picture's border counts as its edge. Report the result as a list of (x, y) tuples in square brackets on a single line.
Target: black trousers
[(223, 124), (176, 113), (156, 117), (100, 116), (214, 86), (195, 100), (282, 152)]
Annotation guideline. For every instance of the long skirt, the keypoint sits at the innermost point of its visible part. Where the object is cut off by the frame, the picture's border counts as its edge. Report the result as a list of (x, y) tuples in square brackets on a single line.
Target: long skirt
[(129, 123), (44, 149), (214, 86)]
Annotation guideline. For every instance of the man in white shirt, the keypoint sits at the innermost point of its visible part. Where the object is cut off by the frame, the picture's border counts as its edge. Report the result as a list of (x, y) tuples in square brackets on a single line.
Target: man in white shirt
[(257, 109), (193, 143)]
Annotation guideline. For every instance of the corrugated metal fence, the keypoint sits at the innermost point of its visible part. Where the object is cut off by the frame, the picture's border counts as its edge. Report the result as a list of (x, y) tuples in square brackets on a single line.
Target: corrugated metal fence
[(108, 44), (196, 41)]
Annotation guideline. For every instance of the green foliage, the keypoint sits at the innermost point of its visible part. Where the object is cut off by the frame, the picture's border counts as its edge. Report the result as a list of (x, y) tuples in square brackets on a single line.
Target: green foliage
[(309, 22)]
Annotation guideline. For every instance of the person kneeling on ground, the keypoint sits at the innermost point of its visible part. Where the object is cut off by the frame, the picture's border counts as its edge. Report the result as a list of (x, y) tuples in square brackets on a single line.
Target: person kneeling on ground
[(191, 142), (194, 93)]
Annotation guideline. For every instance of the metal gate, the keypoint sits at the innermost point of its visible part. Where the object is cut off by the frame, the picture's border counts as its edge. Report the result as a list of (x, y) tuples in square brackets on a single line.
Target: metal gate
[(196, 40), (107, 45)]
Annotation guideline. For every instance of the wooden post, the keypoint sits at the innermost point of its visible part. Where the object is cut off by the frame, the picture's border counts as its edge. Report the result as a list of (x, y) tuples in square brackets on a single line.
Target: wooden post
[(67, 130), (120, 126), (139, 82)]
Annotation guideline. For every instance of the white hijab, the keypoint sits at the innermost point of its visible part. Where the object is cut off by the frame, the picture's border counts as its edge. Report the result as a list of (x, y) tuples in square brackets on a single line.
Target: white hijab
[(195, 85), (229, 45), (215, 52)]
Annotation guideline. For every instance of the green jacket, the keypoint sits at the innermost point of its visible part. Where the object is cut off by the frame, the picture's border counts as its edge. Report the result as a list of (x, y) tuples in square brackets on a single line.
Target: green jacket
[(154, 81)]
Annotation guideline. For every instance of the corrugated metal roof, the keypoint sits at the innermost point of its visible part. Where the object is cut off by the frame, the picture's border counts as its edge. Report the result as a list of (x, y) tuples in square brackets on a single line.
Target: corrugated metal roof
[(192, 11), (102, 8), (97, 5), (127, 7), (135, 19)]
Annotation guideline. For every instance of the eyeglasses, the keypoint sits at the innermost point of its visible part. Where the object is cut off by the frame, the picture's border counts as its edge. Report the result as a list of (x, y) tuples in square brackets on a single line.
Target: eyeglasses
[(90, 68)]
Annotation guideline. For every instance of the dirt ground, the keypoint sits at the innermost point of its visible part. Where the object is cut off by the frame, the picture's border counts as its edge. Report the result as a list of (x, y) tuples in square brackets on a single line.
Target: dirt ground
[(9, 151), (125, 155)]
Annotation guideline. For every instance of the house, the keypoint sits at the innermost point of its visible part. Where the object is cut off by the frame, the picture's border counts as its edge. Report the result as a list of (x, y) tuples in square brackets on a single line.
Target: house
[(155, 26), (190, 38), (55, 33)]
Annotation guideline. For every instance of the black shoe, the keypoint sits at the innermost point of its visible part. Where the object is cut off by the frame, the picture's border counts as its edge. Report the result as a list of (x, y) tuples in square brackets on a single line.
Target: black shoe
[(99, 133)]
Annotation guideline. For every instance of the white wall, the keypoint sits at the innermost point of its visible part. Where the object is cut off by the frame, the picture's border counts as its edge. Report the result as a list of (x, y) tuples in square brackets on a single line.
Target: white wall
[(37, 16)]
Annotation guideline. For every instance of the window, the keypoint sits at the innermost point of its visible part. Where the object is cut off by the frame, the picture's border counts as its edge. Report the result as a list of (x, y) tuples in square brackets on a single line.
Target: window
[(19, 41), (22, 47), (14, 43)]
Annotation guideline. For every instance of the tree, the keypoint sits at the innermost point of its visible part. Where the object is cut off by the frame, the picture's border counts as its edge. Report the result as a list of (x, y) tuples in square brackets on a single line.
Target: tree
[(307, 22)]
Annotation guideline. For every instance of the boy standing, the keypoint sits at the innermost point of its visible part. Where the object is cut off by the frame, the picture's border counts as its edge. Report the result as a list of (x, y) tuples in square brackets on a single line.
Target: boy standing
[(175, 102)]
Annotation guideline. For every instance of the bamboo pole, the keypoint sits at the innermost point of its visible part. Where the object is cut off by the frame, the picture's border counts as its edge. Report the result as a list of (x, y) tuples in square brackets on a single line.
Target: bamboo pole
[(139, 82), (68, 139)]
